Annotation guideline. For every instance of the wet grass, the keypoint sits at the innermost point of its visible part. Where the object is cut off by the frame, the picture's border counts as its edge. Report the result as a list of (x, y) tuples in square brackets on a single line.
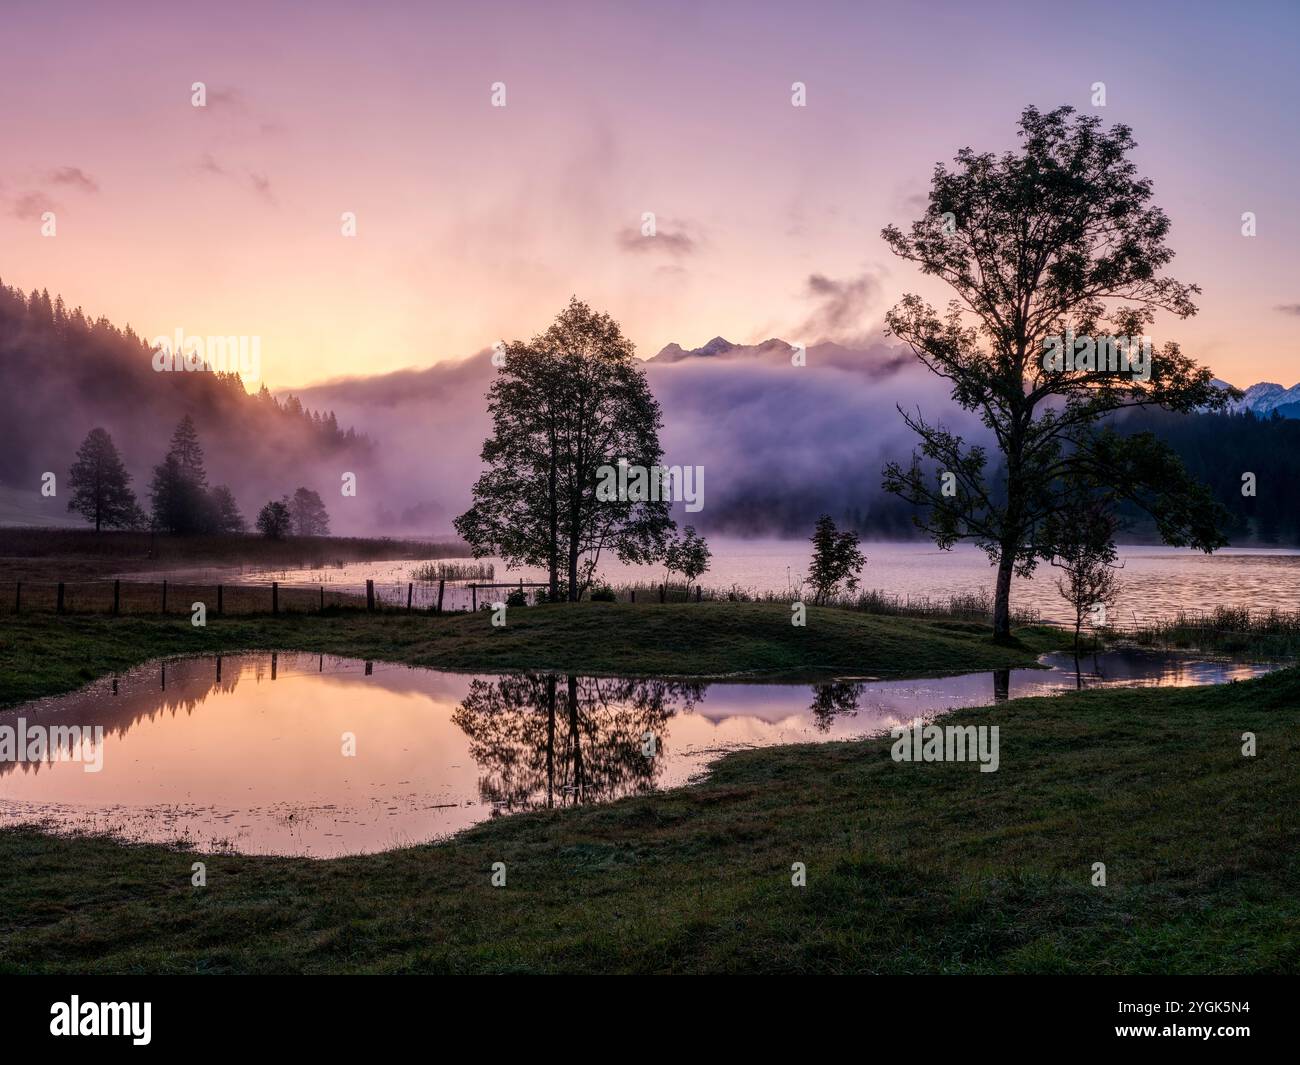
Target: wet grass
[(910, 867), (44, 654)]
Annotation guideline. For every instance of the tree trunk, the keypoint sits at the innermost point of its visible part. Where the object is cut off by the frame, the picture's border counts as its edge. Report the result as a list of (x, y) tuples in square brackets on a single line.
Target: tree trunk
[(1002, 595), (573, 564), (554, 544)]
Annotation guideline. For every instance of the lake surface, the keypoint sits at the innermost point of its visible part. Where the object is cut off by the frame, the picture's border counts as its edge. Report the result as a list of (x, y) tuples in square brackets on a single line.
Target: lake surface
[(246, 752), (1157, 581)]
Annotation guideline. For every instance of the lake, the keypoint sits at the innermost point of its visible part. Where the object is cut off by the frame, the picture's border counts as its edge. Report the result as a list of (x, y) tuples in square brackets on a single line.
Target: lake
[(247, 752), (1158, 581)]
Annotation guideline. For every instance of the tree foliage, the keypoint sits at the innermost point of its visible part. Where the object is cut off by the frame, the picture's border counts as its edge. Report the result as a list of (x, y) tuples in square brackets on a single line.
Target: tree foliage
[(836, 560), (564, 405), (273, 520), (308, 514), (101, 487), (688, 555), (1058, 237)]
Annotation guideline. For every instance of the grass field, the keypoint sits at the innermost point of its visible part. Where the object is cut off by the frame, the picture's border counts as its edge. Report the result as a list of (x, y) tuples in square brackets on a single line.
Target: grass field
[(910, 867), (42, 654)]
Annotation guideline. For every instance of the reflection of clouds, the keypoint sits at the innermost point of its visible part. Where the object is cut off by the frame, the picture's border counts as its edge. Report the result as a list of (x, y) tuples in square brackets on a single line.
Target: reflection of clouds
[(260, 766)]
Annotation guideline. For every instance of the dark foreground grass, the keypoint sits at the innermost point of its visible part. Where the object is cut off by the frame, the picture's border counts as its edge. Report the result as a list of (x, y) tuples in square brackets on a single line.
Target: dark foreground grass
[(42, 654), (910, 867)]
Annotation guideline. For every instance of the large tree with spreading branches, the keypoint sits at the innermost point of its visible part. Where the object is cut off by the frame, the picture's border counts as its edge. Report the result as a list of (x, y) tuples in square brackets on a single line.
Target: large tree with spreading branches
[(565, 406), (1058, 239)]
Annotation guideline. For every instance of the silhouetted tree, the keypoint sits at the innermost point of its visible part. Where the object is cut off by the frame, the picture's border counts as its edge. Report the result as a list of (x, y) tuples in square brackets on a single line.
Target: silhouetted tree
[(1056, 240), (688, 555), (225, 511), (564, 405), (836, 560), (179, 491), (101, 487), (273, 520), (308, 513), (1083, 535)]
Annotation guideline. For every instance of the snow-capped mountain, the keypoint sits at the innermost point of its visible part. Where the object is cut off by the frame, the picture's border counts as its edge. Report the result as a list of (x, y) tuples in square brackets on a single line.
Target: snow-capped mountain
[(1266, 397)]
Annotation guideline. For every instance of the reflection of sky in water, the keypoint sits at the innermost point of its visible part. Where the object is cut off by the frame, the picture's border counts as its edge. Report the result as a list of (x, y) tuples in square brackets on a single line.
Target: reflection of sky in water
[(251, 759)]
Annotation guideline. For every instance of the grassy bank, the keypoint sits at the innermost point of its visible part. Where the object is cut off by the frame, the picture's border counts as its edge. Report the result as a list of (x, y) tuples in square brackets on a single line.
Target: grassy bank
[(42, 654), (910, 867)]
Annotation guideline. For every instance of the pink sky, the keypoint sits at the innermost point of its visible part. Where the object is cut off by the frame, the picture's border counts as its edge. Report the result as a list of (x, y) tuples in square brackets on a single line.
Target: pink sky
[(477, 223)]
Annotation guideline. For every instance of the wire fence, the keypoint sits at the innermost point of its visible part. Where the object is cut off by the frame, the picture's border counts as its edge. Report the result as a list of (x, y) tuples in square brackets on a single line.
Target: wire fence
[(126, 597), (1228, 630)]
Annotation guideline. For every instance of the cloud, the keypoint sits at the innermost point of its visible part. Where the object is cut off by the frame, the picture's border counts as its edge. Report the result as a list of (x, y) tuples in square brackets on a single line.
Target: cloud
[(31, 205), (75, 177), (840, 308), (1288, 308), (262, 186), (227, 99), (260, 183), (676, 244)]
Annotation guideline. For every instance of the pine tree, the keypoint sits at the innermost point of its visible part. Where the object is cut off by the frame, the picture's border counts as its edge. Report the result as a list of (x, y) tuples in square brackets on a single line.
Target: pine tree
[(189, 454), (226, 517), (101, 490)]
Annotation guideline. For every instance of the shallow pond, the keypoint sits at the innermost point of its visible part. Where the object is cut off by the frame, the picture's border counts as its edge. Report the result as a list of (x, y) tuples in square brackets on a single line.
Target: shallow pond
[(323, 756)]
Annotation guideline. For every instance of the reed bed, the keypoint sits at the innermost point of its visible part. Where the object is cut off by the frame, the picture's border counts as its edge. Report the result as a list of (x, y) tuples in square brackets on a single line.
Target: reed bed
[(454, 571)]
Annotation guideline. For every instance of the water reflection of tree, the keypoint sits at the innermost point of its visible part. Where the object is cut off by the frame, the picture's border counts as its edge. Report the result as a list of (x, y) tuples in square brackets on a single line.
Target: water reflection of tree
[(545, 740), (836, 699)]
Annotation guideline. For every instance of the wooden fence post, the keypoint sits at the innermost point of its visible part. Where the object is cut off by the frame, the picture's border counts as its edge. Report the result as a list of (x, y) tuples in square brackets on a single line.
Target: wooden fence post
[(409, 586), (322, 601), (164, 597), (370, 596), (59, 608), (220, 603), (117, 597), (440, 584), (634, 595), (699, 591), (275, 597), (663, 593)]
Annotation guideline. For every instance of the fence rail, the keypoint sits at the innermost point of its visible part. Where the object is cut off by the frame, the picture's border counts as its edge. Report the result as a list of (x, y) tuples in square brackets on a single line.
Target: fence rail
[(1224, 628), (123, 597)]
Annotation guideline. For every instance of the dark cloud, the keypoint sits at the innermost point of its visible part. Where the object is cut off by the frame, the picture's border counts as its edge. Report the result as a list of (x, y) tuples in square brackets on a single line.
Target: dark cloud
[(1289, 308), (73, 176), (676, 244), (262, 186), (30, 206), (226, 99), (841, 306)]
